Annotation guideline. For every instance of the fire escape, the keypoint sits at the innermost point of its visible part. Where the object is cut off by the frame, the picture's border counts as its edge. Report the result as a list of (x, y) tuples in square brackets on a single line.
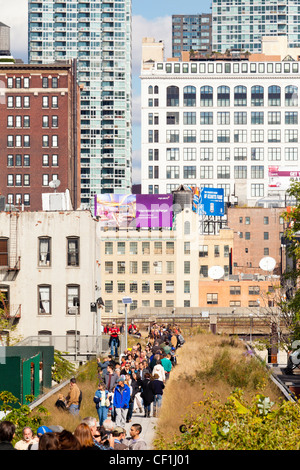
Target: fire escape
[(10, 270)]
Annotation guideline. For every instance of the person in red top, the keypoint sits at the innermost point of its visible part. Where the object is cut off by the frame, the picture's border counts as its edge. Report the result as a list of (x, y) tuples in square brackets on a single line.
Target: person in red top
[(114, 341)]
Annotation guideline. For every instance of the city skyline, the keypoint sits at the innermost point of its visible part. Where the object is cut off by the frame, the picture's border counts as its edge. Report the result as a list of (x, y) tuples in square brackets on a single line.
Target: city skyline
[(153, 20)]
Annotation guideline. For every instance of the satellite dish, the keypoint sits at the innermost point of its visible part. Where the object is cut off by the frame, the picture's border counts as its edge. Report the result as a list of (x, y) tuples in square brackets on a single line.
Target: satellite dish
[(54, 184), (267, 263), (216, 272)]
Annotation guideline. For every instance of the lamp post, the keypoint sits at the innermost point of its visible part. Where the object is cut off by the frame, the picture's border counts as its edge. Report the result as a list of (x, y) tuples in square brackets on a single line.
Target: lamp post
[(126, 300)]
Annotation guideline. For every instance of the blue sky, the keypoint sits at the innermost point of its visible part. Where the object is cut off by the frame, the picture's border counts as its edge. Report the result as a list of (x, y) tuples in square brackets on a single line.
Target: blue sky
[(152, 18)]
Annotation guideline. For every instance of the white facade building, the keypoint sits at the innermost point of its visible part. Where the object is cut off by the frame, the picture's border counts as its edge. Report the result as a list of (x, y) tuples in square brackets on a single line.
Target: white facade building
[(49, 261), (219, 124)]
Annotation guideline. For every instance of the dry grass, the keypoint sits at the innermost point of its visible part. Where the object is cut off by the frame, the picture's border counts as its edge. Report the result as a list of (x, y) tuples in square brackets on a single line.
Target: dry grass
[(87, 381), (195, 376)]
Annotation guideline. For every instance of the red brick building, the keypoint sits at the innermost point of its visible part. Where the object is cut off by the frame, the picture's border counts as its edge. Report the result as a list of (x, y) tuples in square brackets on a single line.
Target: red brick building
[(39, 132)]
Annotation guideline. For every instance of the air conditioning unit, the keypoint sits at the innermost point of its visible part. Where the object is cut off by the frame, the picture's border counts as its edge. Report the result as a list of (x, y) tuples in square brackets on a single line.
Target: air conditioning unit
[(72, 310)]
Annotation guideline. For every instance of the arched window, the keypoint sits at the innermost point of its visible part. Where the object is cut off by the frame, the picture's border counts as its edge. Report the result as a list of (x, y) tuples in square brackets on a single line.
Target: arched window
[(150, 90), (274, 95), (291, 95), (206, 96), (156, 90), (187, 228), (223, 96), (257, 96), (240, 96), (172, 96), (189, 96)]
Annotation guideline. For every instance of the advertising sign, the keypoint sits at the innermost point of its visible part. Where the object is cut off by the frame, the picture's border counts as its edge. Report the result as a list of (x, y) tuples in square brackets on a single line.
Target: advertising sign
[(280, 178), (134, 210), (212, 202), (154, 210)]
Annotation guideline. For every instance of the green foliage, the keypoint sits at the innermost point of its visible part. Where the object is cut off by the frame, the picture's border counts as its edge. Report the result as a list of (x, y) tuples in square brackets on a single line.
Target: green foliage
[(236, 425), (21, 415), (62, 368)]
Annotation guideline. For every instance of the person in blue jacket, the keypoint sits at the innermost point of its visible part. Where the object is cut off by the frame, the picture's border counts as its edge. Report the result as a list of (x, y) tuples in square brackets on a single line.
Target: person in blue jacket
[(121, 402), (101, 399)]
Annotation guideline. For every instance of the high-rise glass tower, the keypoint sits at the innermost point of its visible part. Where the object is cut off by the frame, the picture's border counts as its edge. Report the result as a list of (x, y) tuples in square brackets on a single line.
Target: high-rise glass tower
[(191, 32), (98, 34), (240, 24)]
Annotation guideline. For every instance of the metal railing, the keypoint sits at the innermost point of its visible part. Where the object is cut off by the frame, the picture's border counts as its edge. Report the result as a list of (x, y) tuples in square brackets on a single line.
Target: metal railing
[(74, 346)]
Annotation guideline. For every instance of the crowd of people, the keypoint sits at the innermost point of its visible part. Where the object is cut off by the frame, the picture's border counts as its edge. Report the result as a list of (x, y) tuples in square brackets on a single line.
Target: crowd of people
[(128, 383)]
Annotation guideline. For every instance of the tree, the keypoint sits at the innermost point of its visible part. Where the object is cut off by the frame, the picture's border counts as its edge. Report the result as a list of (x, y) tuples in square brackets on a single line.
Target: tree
[(6, 324)]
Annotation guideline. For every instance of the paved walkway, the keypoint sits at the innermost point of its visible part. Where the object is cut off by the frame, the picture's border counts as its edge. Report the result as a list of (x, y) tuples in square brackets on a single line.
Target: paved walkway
[(148, 427)]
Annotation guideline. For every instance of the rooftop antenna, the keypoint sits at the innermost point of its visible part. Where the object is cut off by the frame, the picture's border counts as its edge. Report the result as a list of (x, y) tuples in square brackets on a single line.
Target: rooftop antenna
[(54, 184)]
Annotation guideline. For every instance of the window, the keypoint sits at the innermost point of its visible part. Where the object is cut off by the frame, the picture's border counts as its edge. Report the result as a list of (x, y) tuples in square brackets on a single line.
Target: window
[(44, 251), (206, 96), (3, 251), (223, 118), (145, 267), (133, 248), (223, 96), (257, 118), (189, 96), (172, 96), (172, 154), (169, 287), (108, 248), (133, 267), (257, 190), (206, 154), (73, 300), (223, 136), (186, 287), (44, 300), (206, 172), (257, 172), (291, 117), (206, 136), (189, 136), (170, 248), (45, 102), (121, 267), (206, 118), (172, 172), (254, 290), (274, 96), (240, 96), (204, 270), (173, 118), (274, 117), (108, 267), (73, 251), (257, 96), (235, 290), (291, 95), (223, 172), (189, 172), (203, 251), (212, 299), (54, 102), (240, 172), (172, 136), (189, 118), (266, 235), (240, 117)]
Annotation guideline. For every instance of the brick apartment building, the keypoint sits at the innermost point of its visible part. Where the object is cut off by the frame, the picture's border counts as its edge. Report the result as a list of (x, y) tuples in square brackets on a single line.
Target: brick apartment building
[(39, 132), (257, 234)]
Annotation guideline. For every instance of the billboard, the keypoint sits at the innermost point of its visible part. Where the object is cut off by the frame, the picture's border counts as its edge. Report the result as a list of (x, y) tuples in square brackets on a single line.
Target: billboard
[(154, 210), (134, 210), (280, 178)]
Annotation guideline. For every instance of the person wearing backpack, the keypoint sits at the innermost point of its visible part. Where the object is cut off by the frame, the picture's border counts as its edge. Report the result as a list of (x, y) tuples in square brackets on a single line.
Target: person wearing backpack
[(73, 398)]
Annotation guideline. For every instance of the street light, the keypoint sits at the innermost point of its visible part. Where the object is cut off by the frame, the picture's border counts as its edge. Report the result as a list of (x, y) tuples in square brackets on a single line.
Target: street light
[(126, 300)]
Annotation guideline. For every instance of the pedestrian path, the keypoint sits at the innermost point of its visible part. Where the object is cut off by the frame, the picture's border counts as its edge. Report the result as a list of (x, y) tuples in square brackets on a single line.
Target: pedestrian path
[(148, 427)]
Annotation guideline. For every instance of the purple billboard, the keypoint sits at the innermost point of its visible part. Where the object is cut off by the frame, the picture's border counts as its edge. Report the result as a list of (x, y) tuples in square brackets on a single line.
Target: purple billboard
[(154, 210), (134, 210)]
